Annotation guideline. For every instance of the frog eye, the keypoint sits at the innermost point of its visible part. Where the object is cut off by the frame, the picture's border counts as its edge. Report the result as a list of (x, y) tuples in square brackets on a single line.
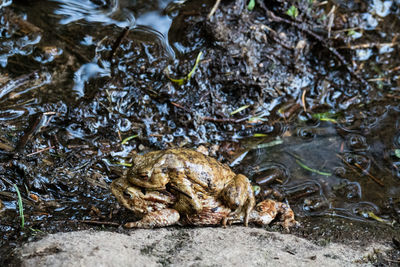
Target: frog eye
[(143, 176), (126, 194)]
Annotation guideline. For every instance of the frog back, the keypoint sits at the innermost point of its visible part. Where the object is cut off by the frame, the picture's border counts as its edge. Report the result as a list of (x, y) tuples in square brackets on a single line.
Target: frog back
[(203, 170)]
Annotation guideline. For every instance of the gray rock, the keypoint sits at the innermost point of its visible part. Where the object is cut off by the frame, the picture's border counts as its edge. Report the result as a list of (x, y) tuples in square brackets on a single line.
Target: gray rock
[(233, 246)]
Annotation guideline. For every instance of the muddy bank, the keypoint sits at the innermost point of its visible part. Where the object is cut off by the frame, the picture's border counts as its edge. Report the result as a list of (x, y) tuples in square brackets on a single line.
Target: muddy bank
[(233, 246)]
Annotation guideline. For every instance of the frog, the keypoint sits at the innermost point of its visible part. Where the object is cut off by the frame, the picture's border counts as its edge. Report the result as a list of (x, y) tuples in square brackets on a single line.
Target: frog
[(186, 187)]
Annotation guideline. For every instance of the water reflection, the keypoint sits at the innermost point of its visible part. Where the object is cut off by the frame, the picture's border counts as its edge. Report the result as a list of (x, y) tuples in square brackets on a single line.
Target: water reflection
[(108, 12)]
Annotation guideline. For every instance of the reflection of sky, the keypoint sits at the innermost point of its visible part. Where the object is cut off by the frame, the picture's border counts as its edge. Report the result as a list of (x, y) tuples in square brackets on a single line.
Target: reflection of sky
[(75, 10), (119, 13), (155, 21), (116, 13)]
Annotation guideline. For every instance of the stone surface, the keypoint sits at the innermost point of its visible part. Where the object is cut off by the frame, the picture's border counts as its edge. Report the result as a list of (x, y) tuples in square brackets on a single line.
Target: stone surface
[(233, 246)]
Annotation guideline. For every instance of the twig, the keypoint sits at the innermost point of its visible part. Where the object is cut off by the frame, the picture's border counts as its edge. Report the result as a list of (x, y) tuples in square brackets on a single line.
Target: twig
[(223, 120), (303, 100), (40, 151), (214, 8), (363, 170), (180, 106), (118, 42), (369, 175), (390, 260), (368, 45)]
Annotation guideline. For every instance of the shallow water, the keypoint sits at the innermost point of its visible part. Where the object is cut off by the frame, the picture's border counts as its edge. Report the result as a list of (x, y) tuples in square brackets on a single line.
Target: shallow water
[(75, 83)]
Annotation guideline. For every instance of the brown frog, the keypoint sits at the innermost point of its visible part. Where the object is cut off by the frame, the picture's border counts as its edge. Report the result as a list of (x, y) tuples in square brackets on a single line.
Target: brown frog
[(184, 186)]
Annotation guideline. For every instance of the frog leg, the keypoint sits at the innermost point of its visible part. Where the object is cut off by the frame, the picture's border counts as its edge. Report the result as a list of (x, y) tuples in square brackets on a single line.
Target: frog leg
[(188, 201), (159, 218), (266, 211), (286, 216), (238, 196)]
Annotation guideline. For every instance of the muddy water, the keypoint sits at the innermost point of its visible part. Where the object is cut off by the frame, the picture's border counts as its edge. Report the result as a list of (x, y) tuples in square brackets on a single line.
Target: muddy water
[(318, 98)]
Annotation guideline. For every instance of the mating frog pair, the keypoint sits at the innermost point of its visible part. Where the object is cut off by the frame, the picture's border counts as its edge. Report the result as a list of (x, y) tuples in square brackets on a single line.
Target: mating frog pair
[(182, 186)]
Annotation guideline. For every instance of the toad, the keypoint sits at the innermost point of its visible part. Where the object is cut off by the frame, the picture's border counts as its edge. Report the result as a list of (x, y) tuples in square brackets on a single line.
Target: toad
[(182, 186)]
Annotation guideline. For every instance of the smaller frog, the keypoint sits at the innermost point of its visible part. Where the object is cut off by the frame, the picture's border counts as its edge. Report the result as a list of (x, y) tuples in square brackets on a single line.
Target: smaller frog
[(185, 186)]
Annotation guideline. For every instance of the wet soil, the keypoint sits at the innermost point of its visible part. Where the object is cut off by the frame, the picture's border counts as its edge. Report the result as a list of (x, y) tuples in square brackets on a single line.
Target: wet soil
[(307, 106)]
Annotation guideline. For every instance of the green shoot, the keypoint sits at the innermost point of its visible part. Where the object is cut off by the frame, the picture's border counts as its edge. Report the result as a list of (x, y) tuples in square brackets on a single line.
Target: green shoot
[(326, 116), (259, 135), (35, 231), (270, 144), (251, 5), (128, 138), (20, 206), (370, 214), (351, 32), (397, 153), (187, 78), (239, 109), (292, 12), (125, 164), (311, 169)]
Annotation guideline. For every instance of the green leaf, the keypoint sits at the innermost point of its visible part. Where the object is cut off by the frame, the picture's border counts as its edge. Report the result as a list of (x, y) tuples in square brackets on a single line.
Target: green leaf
[(325, 116), (239, 109), (270, 144), (20, 207), (259, 135), (128, 138), (251, 5), (125, 164), (351, 33), (187, 78), (311, 169), (397, 153), (293, 12)]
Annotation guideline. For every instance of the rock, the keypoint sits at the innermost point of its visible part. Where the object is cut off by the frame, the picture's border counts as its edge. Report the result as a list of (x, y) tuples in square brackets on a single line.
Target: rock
[(233, 246)]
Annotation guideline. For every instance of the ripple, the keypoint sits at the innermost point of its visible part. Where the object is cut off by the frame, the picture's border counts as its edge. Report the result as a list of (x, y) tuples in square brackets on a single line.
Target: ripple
[(76, 10), (12, 114)]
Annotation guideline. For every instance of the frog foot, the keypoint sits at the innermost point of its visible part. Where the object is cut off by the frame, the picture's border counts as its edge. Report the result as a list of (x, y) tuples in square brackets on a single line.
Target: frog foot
[(266, 211), (241, 214), (159, 218), (238, 196)]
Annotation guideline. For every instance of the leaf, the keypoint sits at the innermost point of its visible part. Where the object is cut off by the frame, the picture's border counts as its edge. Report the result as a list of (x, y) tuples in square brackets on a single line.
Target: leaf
[(128, 138), (239, 109), (187, 78), (125, 164), (20, 207), (397, 153), (293, 12), (270, 144), (259, 135), (311, 169), (325, 116), (251, 5)]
